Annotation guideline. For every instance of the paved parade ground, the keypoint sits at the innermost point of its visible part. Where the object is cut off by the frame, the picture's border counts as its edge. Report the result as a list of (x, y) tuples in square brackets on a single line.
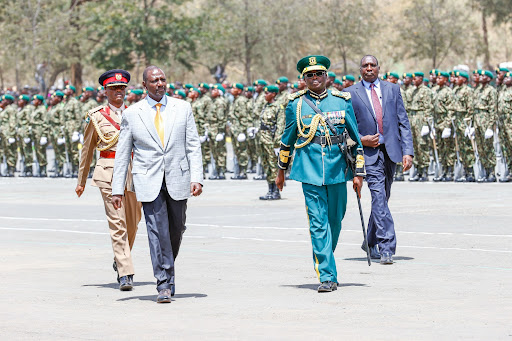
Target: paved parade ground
[(245, 271)]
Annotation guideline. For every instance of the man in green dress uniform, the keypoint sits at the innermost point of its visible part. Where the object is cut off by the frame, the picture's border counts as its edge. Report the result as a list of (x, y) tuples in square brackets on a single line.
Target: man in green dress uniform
[(319, 163)]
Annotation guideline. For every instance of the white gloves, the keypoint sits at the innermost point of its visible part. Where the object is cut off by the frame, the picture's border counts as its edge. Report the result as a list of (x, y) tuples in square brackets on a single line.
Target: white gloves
[(276, 150), (424, 131), (446, 133), (61, 141), (251, 132), (26, 139), (75, 137), (11, 140), (219, 137), (488, 134), (241, 137), (43, 141), (202, 139), (469, 132)]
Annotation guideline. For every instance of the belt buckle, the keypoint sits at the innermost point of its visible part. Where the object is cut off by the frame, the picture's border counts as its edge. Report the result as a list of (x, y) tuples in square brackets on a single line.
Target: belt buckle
[(323, 140)]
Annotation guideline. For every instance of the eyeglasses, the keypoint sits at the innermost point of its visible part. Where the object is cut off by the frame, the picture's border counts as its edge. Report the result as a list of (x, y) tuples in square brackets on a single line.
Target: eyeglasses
[(313, 74)]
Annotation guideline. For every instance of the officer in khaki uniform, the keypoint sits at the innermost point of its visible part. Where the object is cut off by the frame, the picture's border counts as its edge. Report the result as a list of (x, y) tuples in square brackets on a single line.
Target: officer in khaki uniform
[(101, 133)]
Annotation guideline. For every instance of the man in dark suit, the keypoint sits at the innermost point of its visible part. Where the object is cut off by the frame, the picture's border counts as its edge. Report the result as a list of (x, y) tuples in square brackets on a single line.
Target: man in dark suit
[(386, 136)]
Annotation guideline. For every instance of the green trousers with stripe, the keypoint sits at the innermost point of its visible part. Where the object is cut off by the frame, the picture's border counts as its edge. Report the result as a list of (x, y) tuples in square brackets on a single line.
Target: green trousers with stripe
[(325, 206)]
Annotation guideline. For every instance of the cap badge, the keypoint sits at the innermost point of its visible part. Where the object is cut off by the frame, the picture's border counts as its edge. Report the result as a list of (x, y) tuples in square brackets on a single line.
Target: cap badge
[(312, 60), (119, 76)]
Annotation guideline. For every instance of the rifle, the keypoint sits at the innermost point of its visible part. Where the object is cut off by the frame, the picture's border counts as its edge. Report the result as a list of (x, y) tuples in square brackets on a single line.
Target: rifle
[(437, 169), (345, 149), (457, 171), (478, 169)]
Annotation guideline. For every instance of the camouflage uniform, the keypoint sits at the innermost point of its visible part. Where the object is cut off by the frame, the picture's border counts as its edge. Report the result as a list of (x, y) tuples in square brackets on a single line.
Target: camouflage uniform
[(8, 126), (55, 123), (24, 132), (272, 125), (421, 107), (216, 122), (505, 116), (251, 141), (443, 113), (73, 121), (485, 118), (39, 130), (463, 109), (258, 107), (203, 104), (239, 118)]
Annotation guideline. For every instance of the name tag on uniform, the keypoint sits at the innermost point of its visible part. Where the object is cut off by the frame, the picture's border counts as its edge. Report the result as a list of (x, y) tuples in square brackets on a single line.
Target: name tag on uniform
[(336, 117)]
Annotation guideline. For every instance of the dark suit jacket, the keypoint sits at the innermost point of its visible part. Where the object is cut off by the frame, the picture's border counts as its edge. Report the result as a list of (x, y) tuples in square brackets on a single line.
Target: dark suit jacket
[(397, 130)]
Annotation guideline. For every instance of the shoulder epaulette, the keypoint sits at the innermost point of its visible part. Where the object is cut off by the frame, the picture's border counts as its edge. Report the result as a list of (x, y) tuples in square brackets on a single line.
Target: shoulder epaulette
[(93, 110), (343, 94), (297, 94)]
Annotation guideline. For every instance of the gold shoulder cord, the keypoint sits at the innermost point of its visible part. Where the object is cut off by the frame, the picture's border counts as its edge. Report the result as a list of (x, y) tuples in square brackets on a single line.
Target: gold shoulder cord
[(108, 141), (317, 119)]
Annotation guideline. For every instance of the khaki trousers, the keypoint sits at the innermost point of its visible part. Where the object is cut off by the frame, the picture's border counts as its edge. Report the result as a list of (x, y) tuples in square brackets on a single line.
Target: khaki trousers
[(123, 228)]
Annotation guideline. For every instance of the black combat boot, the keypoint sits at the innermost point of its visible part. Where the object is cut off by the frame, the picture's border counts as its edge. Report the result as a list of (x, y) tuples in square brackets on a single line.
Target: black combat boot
[(42, 172), (399, 173), (448, 176), (10, 171), (424, 175), (491, 177), (268, 196), (469, 175), (417, 174), (28, 171), (275, 192)]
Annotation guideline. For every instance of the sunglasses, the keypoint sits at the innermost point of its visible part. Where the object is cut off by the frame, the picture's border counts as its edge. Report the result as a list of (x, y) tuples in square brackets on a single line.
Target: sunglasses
[(313, 74)]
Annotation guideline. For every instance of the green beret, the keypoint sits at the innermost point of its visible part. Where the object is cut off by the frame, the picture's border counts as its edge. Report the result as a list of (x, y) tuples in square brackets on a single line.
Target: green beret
[(261, 82), (39, 97), (195, 89), (138, 92), (504, 69), (204, 85), (24, 98), (462, 74), (393, 74), (59, 94), (407, 74), (418, 74), (331, 74), (272, 88), (487, 73), (349, 78), (507, 74), (337, 81), (313, 63), (434, 71), (237, 86), (188, 86), (249, 89), (282, 80), (88, 88), (452, 73), (220, 87), (443, 73), (425, 80), (385, 76), (71, 87), (8, 97), (300, 76), (477, 71), (171, 86), (100, 88), (180, 93), (295, 86)]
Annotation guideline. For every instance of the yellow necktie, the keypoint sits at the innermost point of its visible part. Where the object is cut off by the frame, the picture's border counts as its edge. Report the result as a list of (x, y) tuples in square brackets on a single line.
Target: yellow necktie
[(159, 124)]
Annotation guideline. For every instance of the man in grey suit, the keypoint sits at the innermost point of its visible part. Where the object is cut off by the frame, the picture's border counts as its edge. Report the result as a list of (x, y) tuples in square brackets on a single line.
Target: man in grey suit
[(160, 134), (386, 135)]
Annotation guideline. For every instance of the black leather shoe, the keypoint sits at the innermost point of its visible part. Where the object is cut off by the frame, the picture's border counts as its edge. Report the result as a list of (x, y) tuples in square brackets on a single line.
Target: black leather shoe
[(374, 251), (115, 269), (164, 296), (328, 286), (124, 284), (399, 178), (386, 258)]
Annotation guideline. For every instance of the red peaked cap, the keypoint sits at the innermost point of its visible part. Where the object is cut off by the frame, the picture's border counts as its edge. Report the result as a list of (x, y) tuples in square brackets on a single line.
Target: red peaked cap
[(114, 77)]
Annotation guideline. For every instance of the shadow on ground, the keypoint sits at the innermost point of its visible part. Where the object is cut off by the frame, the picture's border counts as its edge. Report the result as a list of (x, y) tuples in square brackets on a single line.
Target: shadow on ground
[(363, 259), (153, 297), (116, 285), (315, 286)]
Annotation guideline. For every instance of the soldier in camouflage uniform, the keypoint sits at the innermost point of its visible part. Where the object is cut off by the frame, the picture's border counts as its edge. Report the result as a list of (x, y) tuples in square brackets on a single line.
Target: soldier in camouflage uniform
[(484, 123), (505, 115), (8, 132), (407, 90), (433, 80), (348, 81), (239, 118), (463, 109), (271, 128), (443, 113), (282, 98), (73, 119), (259, 103), (420, 108), (393, 77), (56, 124), (24, 134), (216, 122), (251, 130), (500, 76), (40, 132), (203, 107)]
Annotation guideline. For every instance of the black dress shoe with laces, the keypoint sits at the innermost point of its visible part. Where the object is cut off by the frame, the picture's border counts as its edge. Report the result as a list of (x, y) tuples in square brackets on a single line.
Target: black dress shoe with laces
[(124, 284), (328, 286), (164, 296)]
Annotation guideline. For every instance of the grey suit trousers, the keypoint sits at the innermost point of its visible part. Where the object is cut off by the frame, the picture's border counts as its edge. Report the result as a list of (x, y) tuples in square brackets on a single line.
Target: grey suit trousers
[(165, 222)]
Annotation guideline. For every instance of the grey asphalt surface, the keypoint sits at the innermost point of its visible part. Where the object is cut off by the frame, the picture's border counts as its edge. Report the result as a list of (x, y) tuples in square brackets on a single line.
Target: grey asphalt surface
[(245, 270)]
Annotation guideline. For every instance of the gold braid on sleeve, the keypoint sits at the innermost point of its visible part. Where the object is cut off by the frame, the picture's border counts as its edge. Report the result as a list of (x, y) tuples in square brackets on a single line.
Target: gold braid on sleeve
[(108, 141), (317, 119)]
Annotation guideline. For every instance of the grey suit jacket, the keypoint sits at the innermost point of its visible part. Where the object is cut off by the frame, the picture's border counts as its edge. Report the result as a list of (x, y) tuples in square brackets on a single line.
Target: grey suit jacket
[(179, 159)]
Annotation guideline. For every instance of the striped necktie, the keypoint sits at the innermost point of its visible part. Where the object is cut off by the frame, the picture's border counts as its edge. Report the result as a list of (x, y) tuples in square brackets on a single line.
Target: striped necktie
[(159, 123)]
